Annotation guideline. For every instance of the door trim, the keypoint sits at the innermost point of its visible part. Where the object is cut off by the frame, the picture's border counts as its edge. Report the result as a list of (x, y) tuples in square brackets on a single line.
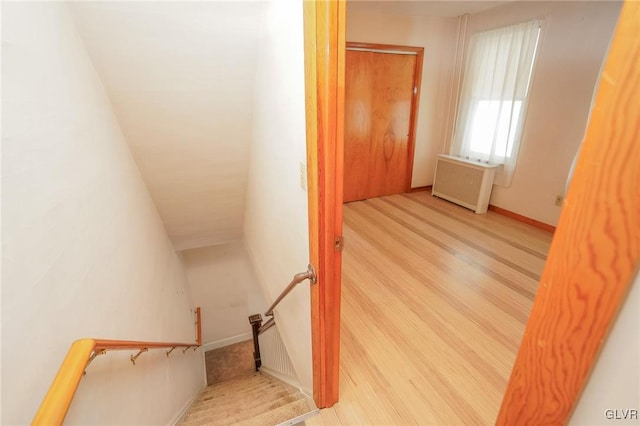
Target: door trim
[(417, 84), (324, 46), (595, 251)]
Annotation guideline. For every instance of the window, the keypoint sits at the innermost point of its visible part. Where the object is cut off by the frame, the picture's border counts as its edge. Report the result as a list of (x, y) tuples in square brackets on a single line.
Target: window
[(494, 94)]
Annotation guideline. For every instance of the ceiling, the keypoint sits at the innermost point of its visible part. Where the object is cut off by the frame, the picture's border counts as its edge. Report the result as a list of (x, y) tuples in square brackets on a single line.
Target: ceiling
[(180, 76), (448, 9)]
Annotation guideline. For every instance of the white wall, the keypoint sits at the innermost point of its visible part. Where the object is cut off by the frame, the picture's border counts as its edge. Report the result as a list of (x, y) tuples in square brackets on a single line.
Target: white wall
[(85, 253), (180, 78), (615, 381), (573, 43), (438, 37), (222, 281), (276, 223)]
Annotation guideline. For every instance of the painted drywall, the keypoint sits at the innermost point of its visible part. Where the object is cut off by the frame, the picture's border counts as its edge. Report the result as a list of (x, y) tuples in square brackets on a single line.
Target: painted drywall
[(573, 43), (222, 280), (84, 251), (180, 76), (276, 223), (437, 35), (614, 384)]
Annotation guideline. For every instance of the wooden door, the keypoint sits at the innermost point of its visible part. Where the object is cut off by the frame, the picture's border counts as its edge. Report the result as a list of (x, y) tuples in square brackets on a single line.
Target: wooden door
[(324, 38), (380, 102)]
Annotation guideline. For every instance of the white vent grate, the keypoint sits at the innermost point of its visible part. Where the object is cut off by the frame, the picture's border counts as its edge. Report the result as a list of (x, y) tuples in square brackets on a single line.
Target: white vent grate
[(273, 353), (464, 182)]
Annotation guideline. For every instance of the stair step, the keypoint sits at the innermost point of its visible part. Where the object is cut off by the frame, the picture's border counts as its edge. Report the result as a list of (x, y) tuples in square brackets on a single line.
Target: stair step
[(248, 391), (279, 415), (250, 407), (254, 399), (238, 413)]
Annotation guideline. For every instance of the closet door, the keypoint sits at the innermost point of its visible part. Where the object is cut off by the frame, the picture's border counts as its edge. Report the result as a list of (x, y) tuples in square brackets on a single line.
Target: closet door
[(379, 97)]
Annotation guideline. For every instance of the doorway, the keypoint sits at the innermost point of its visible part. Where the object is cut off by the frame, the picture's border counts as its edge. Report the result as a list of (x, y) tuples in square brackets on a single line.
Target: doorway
[(595, 206), (382, 88)]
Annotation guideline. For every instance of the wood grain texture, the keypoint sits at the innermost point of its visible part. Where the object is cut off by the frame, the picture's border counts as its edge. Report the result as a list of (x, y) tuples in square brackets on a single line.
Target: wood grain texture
[(390, 123), (413, 124), (435, 301), (358, 104), (324, 28), (380, 108), (595, 251)]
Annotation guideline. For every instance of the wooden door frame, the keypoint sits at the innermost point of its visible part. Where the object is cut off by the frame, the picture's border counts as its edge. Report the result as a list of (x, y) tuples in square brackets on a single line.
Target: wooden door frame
[(415, 100), (600, 217), (595, 250), (324, 46)]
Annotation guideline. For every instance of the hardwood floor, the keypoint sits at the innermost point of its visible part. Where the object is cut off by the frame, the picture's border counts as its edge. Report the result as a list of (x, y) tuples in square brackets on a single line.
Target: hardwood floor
[(434, 303)]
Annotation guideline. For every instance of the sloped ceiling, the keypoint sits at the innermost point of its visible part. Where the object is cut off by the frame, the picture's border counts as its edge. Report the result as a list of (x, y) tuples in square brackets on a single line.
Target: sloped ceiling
[(181, 78), (445, 9)]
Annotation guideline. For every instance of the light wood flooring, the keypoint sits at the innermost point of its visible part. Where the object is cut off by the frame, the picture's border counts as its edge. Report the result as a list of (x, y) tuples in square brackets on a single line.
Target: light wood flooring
[(434, 303)]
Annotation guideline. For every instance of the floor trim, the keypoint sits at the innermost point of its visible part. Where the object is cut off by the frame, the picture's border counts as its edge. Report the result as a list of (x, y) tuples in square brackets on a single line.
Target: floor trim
[(185, 409), (503, 212), (421, 188), (226, 342), (292, 381), (523, 219)]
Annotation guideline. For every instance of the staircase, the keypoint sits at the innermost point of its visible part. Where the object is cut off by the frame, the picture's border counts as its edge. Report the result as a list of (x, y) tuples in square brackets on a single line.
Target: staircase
[(238, 395), (254, 399)]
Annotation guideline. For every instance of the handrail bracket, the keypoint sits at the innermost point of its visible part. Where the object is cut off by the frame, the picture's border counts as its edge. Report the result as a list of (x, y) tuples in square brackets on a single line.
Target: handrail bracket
[(134, 357), (93, 356), (311, 271)]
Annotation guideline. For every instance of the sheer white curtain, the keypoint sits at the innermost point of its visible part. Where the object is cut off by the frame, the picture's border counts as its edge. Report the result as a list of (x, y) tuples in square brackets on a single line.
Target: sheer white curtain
[(493, 99)]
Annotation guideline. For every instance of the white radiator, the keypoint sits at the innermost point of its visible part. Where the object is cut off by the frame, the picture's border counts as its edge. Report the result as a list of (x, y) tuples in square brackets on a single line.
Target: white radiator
[(464, 182), (274, 356)]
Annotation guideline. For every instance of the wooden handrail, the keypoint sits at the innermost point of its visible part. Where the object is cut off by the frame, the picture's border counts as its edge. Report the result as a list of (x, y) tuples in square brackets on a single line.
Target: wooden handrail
[(119, 345), (57, 401)]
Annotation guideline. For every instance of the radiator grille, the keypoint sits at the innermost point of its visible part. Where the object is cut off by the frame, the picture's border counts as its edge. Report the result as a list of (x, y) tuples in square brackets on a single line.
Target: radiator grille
[(273, 353), (463, 182), (459, 181)]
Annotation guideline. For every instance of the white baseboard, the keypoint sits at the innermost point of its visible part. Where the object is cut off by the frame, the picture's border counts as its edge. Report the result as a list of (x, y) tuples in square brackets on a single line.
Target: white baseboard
[(185, 409), (308, 395), (226, 342)]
